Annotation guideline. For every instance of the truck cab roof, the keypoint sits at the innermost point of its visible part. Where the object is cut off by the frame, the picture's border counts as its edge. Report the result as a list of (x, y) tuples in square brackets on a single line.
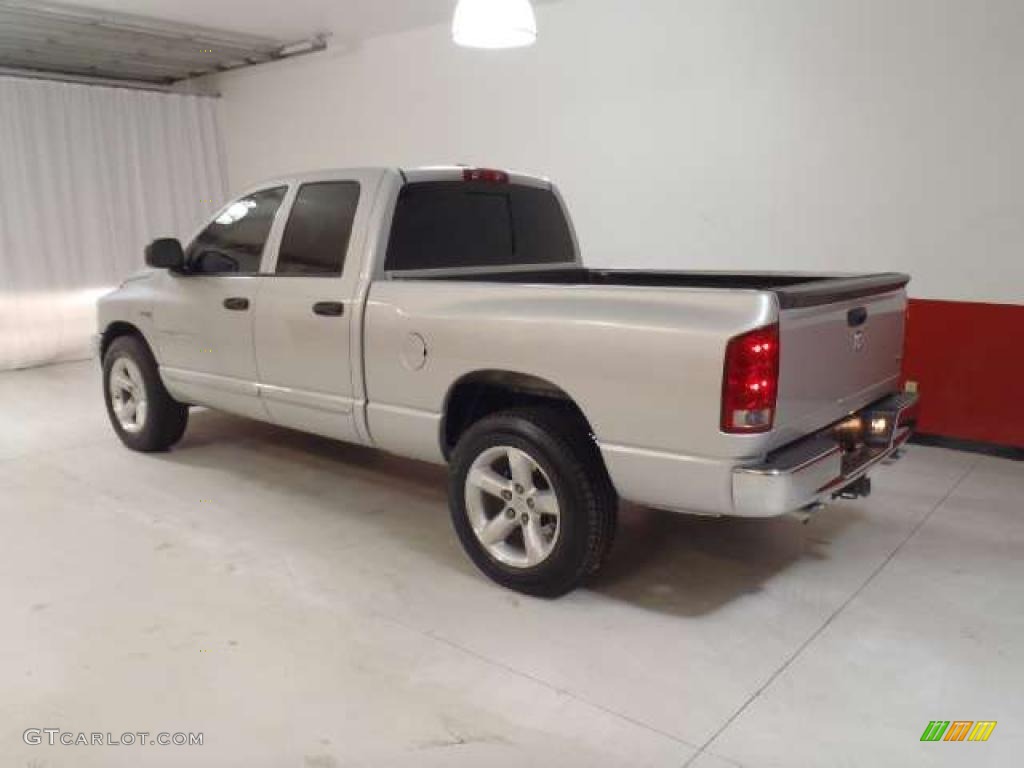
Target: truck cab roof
[(417, 174)]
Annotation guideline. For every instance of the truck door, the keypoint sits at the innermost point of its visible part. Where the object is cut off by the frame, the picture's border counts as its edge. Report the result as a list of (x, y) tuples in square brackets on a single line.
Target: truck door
[(303, 324), (204, 319)]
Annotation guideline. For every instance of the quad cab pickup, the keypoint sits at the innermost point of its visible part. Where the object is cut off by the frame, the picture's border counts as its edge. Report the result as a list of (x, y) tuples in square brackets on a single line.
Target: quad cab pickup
[(444, 314)]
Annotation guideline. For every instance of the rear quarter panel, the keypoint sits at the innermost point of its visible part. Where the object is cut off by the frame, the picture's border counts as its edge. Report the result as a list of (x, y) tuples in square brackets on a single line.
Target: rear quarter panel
[(643, 364)]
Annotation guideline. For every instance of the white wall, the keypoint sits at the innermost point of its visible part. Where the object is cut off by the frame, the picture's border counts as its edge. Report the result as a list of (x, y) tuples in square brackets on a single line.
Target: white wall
[(792, 134), (88, 175)]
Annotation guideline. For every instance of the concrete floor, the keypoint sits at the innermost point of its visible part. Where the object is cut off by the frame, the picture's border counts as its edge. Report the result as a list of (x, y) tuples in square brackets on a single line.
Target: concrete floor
[(304, 603)]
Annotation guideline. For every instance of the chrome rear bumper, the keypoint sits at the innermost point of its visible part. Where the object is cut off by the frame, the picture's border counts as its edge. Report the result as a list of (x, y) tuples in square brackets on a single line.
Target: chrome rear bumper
[(817, 467)]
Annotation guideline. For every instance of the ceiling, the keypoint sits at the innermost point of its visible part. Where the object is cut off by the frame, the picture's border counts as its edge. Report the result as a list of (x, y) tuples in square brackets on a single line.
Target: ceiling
[(48, 39), (160, 42), (347, 20)]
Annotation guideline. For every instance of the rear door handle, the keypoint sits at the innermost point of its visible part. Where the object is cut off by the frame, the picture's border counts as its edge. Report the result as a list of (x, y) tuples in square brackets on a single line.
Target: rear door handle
[(236, 303), (329, 308)]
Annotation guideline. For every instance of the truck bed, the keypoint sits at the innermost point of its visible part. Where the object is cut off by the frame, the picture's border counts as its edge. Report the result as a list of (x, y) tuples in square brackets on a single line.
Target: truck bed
[(841, 335), (792, 289)]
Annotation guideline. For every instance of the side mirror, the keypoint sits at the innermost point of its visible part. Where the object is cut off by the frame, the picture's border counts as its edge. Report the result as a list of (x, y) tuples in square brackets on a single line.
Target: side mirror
[(165, 253)]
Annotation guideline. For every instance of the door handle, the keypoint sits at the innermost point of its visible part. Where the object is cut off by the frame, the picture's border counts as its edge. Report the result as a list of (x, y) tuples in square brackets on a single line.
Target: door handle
[(329, 308), (236, 303)]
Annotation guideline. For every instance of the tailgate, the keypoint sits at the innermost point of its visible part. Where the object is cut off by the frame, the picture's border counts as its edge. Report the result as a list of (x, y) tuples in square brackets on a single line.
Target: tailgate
[(841, 348)]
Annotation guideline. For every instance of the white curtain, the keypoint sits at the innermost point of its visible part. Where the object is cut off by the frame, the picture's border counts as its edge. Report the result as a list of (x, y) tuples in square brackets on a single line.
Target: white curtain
[(88, 176)]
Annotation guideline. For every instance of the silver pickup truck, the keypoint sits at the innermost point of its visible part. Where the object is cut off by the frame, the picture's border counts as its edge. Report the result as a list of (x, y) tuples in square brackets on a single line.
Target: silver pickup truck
[(444, 314)]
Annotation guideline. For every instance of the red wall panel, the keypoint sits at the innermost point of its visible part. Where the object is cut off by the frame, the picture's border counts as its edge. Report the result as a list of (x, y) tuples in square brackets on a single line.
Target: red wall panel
[(968, 361)]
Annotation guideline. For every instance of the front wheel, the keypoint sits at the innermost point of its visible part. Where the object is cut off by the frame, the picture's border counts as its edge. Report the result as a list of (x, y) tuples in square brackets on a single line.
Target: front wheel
[(142, 412), (531, 501)]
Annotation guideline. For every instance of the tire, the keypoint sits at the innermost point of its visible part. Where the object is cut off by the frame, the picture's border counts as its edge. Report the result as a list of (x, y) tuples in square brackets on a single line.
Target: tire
[(157, 421), (552, 553)]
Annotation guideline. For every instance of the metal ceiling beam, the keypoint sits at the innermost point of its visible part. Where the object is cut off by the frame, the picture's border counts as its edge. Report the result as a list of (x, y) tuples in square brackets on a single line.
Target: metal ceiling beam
[(84, 68), (44, 36), (127, 22), (98, 38), (56, 55), (70, 77), (182, 59), (15, 23)]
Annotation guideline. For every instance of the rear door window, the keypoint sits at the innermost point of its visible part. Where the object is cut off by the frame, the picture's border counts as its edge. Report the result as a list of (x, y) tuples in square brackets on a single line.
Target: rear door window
[(319, 227)]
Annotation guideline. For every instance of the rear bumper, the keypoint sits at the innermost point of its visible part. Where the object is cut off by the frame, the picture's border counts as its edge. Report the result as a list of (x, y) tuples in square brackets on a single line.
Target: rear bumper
[(817, 467)]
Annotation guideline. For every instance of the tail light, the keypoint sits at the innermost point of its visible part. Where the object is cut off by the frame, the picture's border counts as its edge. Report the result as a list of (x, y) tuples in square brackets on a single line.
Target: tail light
[(750, 384), (488, 175)]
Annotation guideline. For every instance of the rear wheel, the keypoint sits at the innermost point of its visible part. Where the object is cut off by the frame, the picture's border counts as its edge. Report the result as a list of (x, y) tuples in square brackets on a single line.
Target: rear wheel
[(530, 500), (142, 412)]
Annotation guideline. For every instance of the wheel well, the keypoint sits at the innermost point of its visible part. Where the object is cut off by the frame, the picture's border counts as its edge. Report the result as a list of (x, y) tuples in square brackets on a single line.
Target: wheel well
[(116, 330), (480, 394)]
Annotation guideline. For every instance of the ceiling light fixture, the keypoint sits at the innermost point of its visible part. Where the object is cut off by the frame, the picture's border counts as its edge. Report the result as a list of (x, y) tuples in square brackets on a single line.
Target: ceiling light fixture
[(494, 24)]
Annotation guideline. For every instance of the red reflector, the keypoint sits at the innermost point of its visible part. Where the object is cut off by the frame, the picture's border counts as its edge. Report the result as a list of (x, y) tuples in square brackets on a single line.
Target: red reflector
[(488, 175), (751, 381)]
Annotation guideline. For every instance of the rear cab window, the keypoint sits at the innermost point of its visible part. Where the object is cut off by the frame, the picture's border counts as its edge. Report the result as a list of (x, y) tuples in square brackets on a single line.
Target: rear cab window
[(458, 224)]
